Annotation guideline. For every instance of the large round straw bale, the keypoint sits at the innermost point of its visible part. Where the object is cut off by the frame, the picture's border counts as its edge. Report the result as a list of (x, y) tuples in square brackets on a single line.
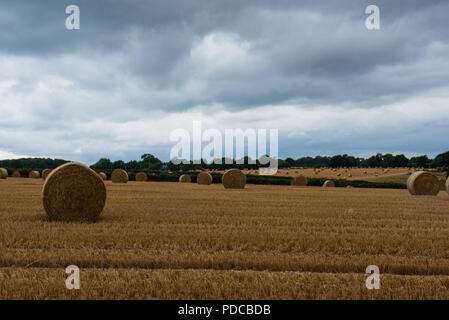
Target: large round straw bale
[(233, 179), (34, 175), (423, 183), (119, 176), (204, 178), (299, 181), (103, 176), (185, 178), (329, 184), (45, 173), (73, 192), (442, 184), (16, 174), (141, 176), (3, 173)]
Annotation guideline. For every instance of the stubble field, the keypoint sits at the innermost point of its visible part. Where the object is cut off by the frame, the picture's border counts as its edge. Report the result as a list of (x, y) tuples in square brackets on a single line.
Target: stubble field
[(186, 241)]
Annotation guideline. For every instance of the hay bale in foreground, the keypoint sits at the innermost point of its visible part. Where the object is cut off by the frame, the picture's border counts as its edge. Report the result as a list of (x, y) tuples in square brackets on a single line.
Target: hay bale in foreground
[(422, 183), (34, 175), (233, 179), (73, 192), (45, 173), (329, 184), (204, 178), (103, 176), (185, 178), (141, 176), (299, 181), (16, 174), (119, 176), (3, 173)]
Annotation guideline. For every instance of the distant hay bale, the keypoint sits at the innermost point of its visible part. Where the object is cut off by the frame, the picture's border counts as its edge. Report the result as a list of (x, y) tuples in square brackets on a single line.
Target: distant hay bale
[(329, 184), (45, 173), (233, 179), (423, 183), (185, 178), (349, 186), (103, 176), (16, 174), (73, 192), (119, 176), (34, 175), (3, 173), (204, 178), (299, 181), (141, 176), (442, 184)]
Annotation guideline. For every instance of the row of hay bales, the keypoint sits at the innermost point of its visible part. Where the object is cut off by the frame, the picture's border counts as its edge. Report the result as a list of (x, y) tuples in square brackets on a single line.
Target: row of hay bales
[(32, 174), (232, 179), (74, 192), (419, 183)]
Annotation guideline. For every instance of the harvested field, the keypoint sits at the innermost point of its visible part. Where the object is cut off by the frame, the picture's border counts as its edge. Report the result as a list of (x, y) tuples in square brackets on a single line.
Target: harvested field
[(350, 173), (189, 241)]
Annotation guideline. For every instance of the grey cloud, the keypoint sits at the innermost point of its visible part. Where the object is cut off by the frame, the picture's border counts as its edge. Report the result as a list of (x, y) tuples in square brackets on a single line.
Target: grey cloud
[(135, 59)]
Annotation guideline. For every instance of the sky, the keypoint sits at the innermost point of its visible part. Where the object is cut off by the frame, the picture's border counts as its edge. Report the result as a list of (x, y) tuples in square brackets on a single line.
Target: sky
[(137, 70)]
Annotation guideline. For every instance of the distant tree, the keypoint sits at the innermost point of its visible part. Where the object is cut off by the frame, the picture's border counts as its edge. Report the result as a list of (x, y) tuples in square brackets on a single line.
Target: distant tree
[(400, 161), (421, 161), (103, 163), (290, 162), (148, 160), (441, 160), (16, 164)]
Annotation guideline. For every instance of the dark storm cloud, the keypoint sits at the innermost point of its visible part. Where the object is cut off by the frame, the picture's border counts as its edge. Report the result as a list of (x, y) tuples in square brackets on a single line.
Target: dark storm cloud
[(305, 49)]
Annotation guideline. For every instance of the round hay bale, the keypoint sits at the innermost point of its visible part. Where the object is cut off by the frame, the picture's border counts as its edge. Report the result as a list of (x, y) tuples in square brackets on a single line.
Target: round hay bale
[(141, 176), (349, 186), (442, 184), (16, 174), (423, 183), (119, 176), (204, 178), (73, 192), (34, 175), (233, 179), (45, 173), (3, 173), (329, 184), (185, 178), (299, 181), (103, 176)]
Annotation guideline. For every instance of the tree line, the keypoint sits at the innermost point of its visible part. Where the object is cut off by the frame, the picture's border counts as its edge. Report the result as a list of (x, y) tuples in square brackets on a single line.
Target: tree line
[(150, 162)]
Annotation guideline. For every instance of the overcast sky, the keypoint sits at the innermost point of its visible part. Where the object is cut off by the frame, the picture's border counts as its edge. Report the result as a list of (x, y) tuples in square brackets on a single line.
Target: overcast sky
[(136, 70)]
